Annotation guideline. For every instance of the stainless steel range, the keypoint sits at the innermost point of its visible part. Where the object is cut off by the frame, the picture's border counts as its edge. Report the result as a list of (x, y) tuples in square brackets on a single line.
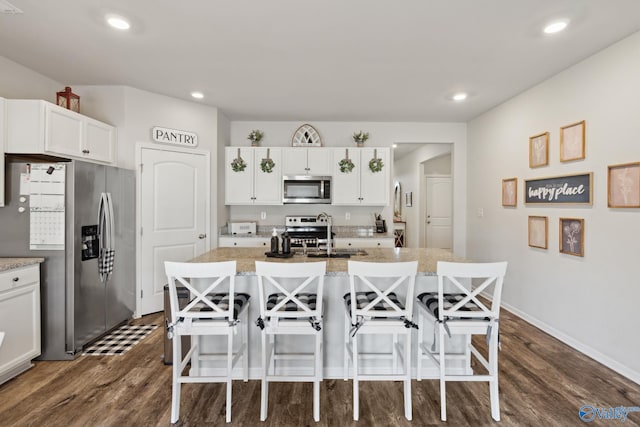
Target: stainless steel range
[(310, 231)]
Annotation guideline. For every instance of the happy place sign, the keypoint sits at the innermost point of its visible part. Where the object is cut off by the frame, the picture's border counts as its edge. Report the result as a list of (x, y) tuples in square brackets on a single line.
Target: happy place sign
[(576, 189), (174, 136)]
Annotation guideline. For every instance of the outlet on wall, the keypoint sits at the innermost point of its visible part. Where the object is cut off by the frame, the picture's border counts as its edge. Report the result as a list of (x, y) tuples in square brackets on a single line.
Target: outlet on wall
[(263, 215), (480, 212), (347, 216)]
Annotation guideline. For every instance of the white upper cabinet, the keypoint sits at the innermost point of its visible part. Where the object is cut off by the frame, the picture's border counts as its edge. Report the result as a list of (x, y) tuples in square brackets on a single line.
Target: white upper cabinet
[(2, 117), (39, 127), (307, 161), (253, 185), (361, 186)]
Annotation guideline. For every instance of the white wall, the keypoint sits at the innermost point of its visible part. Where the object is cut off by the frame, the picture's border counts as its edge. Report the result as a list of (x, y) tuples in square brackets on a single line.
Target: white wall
[(590, 302), (338, 134), (18, 82), (409, 172)]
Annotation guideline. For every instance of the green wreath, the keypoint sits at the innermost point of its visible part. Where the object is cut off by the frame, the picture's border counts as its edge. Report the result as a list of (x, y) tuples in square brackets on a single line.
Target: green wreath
[(346, 165), (267, 165), (375, 165), (238, 165)]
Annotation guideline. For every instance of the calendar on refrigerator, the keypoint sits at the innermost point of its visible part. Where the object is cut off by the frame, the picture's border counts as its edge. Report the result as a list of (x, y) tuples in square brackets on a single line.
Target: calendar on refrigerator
[(46, 206)]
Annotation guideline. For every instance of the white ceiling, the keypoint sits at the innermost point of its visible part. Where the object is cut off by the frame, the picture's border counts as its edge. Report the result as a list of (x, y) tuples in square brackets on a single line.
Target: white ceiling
[(341, 60)]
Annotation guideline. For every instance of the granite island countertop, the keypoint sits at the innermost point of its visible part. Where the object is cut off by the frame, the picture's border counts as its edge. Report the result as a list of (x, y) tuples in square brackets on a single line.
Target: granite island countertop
[(341, 232), (246, 257), (11, 263)]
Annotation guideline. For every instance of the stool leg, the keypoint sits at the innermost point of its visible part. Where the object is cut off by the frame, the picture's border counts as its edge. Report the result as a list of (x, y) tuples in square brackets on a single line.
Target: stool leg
[(356, 392), (493, 371), (407, 381), (175, 389), (420, 342), (443, 391), (347, 323), (265, 385), (318, 372), (229, 372), (394, 353), (245, 342), (195, 358)]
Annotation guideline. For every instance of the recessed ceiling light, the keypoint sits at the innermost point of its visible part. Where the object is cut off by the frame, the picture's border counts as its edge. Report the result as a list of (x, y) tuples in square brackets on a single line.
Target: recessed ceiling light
[(395, 145), (118, 22), (459, 96), (556, 27), (197, 95)]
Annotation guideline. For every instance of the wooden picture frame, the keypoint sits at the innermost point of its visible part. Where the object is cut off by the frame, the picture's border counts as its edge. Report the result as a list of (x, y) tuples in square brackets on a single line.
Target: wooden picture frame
[(510, 192), (623, 185), (576, 189), (538, 231), (572, 142), (539, 150), (571, 236)]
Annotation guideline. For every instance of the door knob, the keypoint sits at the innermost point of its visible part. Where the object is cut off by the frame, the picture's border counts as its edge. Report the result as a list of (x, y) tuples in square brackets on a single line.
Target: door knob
[(201, 236)]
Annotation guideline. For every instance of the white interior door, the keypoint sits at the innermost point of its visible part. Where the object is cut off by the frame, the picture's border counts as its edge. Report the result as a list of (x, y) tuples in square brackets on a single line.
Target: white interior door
[(174, 197), (439, 209)]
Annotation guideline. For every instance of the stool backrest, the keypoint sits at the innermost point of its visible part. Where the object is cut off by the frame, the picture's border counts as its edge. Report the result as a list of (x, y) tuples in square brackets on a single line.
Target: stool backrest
[(210, 276), (291, 279), (457, 274), (383, 279)]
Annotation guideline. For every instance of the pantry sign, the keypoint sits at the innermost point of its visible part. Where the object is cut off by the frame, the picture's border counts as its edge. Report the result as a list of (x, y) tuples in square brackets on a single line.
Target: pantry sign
[(568, 189), (174, 136)]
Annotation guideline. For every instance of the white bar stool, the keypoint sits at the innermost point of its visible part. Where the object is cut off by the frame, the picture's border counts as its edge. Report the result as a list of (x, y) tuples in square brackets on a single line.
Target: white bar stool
[(207, 313), (462, 313), (383, 293), (290, 304)]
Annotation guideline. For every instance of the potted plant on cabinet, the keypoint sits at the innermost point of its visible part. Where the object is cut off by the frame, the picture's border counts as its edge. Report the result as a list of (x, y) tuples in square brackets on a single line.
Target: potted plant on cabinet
[(360, 138), (255, 137)]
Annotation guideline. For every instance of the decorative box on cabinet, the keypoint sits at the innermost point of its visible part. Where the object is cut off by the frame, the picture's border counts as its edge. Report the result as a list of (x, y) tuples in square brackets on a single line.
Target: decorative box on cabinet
[(361, 186), (307, 161), (40, 127), (253, 186), (19, 319)]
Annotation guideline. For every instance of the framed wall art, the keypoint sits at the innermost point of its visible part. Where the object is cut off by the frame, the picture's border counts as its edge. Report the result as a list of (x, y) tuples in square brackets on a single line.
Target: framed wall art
[(623, 186), (539, 150), (306, 136), (510, 192), (538, 231), (572, 236), (572, 145), (567, 189)]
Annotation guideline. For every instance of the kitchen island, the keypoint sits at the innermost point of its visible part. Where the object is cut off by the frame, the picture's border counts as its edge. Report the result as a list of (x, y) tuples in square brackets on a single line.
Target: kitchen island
[(336, 285)]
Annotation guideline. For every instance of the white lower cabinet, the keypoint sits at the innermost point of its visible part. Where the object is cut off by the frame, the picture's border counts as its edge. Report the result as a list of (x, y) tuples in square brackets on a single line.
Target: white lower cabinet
[(19, 319), (244, 242), (2, 106), (364, 242)]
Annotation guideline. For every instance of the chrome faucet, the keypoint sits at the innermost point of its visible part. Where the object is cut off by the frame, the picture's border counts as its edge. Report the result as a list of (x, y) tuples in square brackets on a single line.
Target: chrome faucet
[(328, 219)]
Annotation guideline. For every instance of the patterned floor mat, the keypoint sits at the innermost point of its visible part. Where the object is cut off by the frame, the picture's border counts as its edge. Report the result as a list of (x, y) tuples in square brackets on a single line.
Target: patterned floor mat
[(119, 341)]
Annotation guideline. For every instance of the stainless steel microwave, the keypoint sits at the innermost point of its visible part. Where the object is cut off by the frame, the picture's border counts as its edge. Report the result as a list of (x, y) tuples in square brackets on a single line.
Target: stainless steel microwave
[(306, 189)]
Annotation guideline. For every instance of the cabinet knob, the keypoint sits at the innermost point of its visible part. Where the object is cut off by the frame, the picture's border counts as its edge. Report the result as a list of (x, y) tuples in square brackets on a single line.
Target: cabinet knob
[(349, 244), (85, 151), (378, 243), (15, 279), (235, 243)]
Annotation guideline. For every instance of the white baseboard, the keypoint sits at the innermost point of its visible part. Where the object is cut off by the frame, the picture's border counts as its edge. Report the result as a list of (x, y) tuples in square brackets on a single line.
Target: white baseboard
[(582, 348)]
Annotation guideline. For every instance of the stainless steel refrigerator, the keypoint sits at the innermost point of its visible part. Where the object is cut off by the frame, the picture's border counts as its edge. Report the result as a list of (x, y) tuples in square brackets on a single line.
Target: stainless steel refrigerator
[(88, 278)]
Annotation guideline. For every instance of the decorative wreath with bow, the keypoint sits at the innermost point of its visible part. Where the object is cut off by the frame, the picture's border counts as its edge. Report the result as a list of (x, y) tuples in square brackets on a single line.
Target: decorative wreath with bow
[(375, 164), (346, 165), (267, 164), (238, 164)]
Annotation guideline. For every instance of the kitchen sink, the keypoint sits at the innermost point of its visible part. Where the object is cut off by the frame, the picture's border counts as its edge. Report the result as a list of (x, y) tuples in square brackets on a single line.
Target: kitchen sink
[(336, 253)]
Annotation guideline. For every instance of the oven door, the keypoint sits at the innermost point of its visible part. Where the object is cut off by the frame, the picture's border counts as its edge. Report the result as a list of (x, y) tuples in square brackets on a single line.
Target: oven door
[(306, 189)]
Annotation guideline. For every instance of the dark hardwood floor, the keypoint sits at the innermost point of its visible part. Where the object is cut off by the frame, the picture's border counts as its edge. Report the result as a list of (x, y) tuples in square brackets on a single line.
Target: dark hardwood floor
[(543, 383)]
